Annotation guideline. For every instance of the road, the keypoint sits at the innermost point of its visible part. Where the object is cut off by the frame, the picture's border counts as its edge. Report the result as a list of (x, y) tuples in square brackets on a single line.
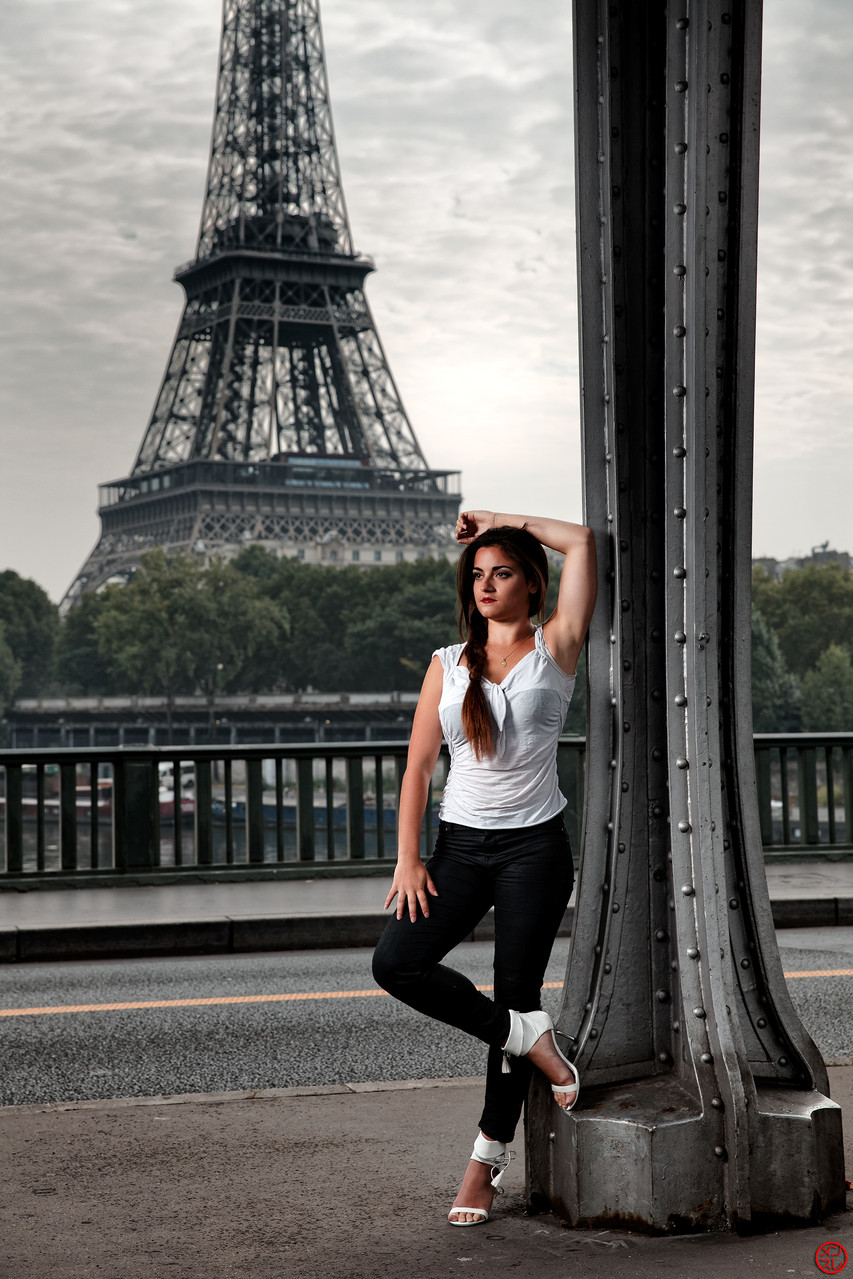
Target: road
[(287, 1019)]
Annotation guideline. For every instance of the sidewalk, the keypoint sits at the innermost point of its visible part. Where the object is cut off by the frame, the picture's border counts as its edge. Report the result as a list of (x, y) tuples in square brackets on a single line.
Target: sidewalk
[(329, 1183), (194, 918)]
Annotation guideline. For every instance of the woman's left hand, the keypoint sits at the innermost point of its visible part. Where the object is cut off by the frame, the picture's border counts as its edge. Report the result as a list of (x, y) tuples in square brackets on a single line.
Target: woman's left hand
[(471, 524)]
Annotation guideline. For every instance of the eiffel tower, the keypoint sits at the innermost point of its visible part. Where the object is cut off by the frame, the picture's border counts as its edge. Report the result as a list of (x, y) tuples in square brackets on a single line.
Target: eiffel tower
[(278, 420)]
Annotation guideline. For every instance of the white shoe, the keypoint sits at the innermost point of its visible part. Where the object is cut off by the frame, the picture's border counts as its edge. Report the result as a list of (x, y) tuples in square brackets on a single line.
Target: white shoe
[(493, 1154), (525, 1030)]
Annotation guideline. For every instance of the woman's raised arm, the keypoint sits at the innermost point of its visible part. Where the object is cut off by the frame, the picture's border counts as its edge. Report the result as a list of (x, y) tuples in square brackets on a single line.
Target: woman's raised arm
[(565, 629)]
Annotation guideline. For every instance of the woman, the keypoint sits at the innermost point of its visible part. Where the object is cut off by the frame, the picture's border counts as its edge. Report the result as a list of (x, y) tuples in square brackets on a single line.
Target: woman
[(501, 701)]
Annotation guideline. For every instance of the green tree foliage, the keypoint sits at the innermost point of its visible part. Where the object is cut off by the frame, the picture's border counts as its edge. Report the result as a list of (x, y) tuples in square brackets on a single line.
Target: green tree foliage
[(356, 630), (807, 609), (30, 622), (828, 693), (81, 664), (10, 672), (775, 692), (178, 627)]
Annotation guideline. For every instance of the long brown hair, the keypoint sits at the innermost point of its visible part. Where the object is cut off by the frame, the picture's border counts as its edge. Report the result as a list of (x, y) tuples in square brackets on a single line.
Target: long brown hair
[(526, 552)]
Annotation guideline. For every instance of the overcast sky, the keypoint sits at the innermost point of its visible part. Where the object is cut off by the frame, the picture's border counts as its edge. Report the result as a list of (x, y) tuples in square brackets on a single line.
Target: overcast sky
[(454, 129)]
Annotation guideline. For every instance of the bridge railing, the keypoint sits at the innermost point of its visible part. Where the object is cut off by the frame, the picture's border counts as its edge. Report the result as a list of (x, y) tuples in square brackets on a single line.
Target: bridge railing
[(70, 815)]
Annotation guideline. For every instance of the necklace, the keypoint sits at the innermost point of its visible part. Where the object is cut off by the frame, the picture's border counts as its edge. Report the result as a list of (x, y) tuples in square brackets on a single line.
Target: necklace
[(504, 660)]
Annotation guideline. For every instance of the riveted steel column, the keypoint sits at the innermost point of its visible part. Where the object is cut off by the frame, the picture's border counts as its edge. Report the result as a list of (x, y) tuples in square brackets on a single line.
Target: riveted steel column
[(704, 1100)]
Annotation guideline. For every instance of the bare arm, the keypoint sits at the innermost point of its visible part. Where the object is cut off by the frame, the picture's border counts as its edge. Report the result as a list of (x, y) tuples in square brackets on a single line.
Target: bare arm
[(565, 629), (412, 882)]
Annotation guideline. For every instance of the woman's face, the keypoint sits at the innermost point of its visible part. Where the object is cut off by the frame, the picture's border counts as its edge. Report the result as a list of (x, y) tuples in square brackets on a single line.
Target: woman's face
[(501, 591)]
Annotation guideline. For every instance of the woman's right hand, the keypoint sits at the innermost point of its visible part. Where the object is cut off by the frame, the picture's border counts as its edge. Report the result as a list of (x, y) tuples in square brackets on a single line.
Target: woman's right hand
[(411, 885)]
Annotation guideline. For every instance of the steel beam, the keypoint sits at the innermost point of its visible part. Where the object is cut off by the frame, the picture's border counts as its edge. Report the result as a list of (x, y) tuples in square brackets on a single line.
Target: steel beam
[(704, 1100)]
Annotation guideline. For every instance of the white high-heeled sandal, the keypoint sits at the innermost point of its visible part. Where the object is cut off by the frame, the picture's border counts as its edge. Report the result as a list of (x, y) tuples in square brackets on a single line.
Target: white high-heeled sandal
[(524, 1030), (493, 1154)]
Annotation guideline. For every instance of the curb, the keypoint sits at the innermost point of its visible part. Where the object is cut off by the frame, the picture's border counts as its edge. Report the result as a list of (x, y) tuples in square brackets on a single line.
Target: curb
[(235, 935)]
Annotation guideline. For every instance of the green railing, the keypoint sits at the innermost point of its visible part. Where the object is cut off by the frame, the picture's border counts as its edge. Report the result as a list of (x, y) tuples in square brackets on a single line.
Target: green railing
[(69, 815)]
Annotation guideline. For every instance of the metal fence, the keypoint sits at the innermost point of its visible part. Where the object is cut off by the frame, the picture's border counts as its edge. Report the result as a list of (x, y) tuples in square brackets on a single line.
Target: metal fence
[(70, 815)]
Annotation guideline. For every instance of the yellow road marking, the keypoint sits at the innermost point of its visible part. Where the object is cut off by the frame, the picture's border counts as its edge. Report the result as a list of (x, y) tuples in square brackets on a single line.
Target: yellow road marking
[(207, 1001)]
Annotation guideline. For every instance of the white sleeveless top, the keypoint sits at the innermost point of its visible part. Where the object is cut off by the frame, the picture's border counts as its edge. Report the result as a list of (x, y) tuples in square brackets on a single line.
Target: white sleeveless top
[(517, 785)]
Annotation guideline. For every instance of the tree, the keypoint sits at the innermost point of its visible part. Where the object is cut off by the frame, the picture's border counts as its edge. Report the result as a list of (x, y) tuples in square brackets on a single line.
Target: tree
[(30, 621), (775, 692), (147, 629), (10, 672), (828, 693), (234, 624), (81, 664), (808, 609)]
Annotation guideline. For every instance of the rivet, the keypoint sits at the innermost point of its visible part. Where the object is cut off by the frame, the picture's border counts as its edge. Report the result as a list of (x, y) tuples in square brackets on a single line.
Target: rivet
[(725, 78), (608, 457), (598, 949), (680, 209), (744, 963), (552, 1136), (610, 519), (663, 1058), (679, 452), (682, 24), (680, 637), (679, 512), (681, 269), (692, 952), (626, 604), (614, 701), (624, 786), (720, 1151), (662, 996), (676, 1026), (603, 279), (761, 1023), (680, 148), (615, 908), (699, 1012), (717, 1103), (607, 398), (680, 699), (679, 573), (681, 86), (724, 137), (622, 848), (609, 826), (688, 890), (721, 257), (707, 1058), (656, 694), (681, 763), (626, 665), (783, 1061), (613, 763), (725, 18), (588, 1007), (657, 753), (679, 331), (658, 874), (679, 391), (733, 903), (674, 966), (684, 827), (656, 810), (605, 887), (593, 1034), (660, 935), (655, 634), (612, 639), (626, 725), (608, 968)]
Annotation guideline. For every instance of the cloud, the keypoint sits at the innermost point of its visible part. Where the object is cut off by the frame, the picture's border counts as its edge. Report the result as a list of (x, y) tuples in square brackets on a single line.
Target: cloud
[(455, 138)]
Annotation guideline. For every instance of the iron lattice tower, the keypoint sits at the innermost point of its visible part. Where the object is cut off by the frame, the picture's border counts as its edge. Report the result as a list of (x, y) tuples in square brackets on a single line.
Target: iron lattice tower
[(278, 420)]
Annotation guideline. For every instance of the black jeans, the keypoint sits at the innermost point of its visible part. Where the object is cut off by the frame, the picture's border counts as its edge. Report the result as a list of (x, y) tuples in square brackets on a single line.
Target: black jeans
[(527, 875)]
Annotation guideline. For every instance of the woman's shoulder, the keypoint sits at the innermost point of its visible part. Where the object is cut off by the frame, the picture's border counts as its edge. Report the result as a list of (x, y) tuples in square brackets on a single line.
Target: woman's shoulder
[(449, 656)]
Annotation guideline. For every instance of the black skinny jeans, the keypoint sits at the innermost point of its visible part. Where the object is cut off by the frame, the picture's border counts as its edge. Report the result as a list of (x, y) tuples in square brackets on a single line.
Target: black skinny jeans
[(527, 875)]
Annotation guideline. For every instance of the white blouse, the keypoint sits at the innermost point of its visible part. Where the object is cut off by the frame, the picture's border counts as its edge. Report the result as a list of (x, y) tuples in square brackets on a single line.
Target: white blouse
[(517, 785)]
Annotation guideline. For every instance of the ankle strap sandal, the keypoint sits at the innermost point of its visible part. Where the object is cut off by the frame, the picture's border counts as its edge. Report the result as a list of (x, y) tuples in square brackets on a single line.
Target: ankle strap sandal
[(526, 1029), (494, 1155)]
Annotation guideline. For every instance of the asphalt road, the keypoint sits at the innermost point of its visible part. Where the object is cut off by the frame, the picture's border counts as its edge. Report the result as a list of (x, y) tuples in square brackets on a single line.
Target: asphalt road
[(81, 1053)]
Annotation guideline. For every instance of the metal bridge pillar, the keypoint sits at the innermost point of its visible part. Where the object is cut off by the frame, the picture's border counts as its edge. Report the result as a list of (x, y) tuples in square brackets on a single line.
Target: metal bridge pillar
[(704, 1101)]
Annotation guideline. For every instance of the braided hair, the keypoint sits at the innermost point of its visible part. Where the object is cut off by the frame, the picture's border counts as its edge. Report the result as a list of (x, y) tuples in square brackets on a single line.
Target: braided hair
[(526, 551)]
